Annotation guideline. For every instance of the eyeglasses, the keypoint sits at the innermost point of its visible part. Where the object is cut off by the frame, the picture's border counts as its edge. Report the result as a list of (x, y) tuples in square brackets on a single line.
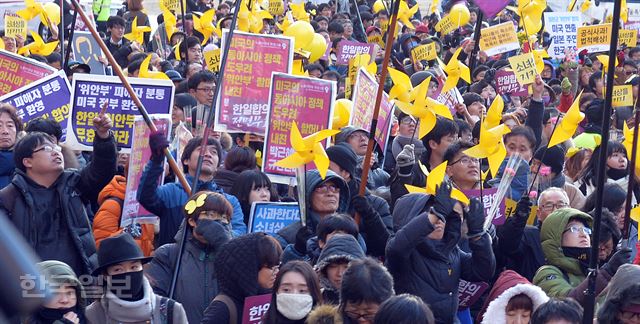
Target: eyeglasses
[(49, 149), (272, 268), (327, 188), (210, 90), (578, 229), (356, 316), (552, 206), (465, 160), (631, 72), (407, 121)]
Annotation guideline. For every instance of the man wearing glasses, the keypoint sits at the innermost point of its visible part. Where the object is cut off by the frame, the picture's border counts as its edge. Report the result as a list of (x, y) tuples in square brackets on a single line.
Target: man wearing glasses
[(47, 203)]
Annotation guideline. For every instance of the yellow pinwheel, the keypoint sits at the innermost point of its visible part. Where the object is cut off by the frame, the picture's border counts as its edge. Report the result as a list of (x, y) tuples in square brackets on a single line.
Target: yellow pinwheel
[(435, 179), (298, 12), (137, 32), (308, 149), (494, 114), (629, 134), (491, 146), (585, 6), (401, 86), (405, 13), (362, 60), (38, 46), (31, 10), (455, 70), (530, 12), (624, 11), (298, 68), (204, 24), (259, 158), (568, 125), (604, 59), (176, 51), (341, 113), (170, 20), (285, 24), (539, 56), (145, 73), (433, 8), (424, 108)]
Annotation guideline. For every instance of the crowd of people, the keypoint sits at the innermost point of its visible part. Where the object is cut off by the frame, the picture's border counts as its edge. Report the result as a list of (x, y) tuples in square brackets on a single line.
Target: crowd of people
[(389, 256)]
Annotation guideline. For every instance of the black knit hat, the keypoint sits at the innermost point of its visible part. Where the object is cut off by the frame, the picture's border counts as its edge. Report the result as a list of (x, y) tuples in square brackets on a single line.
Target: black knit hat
[(343, 155), (553, 158)]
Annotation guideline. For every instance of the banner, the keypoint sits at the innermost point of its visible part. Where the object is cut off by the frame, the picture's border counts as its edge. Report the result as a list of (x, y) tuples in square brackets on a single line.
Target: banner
[(524, 66), (506, 83), (132, 211), (424, 52), (489, 196), (30, 100), (594, 38), (308, 102), (470, 292), (347, 50), (270, 217), (91, 92), (628, 37), (87, 51), (491, 7), (14, 25), (17, 71), (499, 39), (255, 308), (244, 94), (622, 95), (562, 28), (364, 103)]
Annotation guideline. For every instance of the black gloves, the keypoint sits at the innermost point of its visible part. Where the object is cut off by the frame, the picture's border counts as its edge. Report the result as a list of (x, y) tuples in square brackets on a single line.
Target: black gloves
[(523, 208), (157, 143), (619, 258), (443, 203), (475, 218), (361, 206), (303, 235)]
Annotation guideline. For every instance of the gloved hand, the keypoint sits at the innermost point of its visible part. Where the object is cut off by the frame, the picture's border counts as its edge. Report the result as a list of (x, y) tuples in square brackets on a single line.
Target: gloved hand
[(523, 207), (361, 205), (303, 235), (443, 203), (565, 85), (406, 157), (475, 218), (157, 143), (619, 258)]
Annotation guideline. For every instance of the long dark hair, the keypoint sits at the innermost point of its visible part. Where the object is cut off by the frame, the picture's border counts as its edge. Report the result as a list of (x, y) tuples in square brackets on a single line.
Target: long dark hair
[(310, 276), (590, 173), (247, 181)]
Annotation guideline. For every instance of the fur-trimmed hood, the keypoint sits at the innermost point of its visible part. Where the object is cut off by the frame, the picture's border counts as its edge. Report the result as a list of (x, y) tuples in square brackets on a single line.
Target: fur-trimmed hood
[(623, 289), (325, 314), (496, 312)]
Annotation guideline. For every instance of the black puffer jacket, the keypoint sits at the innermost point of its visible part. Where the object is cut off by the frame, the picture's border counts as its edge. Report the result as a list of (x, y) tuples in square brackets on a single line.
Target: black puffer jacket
[(432, 269), (623, 290)]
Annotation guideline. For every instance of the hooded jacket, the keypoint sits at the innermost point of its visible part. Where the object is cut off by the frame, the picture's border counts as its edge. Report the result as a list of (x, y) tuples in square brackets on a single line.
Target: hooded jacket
[(563, 276), (624, 289), (432, 269), (509, 285), (341, 248), (106, 223), (167, 202)]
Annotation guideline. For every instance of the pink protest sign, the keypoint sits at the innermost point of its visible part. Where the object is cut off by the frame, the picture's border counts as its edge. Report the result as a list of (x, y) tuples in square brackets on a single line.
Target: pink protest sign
[(255, 308), (364, 102), (17, 71), (349, 49), (469, 292), (140, 155), (507, 83), (489, 197), (308, 102), (244, 94)]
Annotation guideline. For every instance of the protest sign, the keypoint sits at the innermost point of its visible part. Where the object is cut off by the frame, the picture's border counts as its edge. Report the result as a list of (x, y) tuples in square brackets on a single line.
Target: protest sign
[(499, 39), (244, 93), (31, 103), (594, 38), (448, 24), (628, 37), (469, 292), (17, 71), (87, 51), (255, 308), (308, 102), (364, 103), (562, 28), (622, 95), (270, 217), (132, 211), (212, 59), (524, 66), (90, 92), (14, 25), (172, 5), (489, 196), (425, 52), (632, 25), (375, 39), (506, 83), (347, 50), (490, 8)]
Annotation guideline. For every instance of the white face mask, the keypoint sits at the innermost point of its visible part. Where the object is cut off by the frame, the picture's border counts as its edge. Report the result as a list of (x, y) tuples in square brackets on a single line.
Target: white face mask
[(294, 306)]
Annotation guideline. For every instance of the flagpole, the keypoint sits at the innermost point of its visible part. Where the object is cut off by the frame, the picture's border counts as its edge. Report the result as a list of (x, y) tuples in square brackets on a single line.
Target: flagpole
[(632, 175), (374, 121), (65, 59), (590, 293), (476, 45), (61, 31)]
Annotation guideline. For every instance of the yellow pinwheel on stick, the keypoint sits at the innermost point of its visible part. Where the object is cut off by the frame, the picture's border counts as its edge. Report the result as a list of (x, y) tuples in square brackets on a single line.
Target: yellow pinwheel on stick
[(145, 73), (308, 149), (629, 134), (435, 179), (405, 13), (401, 86), (568, 125), (455, 70), (204, 24), (38, 46), (170, 20), (424, 108), (342, 113), (137, 32)]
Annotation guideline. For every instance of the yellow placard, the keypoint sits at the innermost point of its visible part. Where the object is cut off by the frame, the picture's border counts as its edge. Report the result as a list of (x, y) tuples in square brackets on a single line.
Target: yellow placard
[(276, 7), (628, 37), (594, 38), (375, 39), (510, 210), (212, 58), (447, 25), (425, 52), (622, 95), (524, 66), (499, 39), (14, 26)]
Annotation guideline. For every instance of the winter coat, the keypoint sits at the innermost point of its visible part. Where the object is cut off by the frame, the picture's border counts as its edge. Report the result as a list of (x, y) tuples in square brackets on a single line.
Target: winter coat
[(509, 285), (106, 223), (167, 202), (236, 266), (377, 176), (624, 289), (225, 179), (520, 246), (6, 167), (341, 248), (313, 251), (325, 314), (563, 276), (432, 269), (111, 309), (120, 52), (196, 285), (74, 190), (376, 228)]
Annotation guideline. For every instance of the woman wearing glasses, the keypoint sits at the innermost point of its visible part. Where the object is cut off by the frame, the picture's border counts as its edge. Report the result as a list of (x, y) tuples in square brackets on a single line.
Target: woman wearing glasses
[(566, 242)]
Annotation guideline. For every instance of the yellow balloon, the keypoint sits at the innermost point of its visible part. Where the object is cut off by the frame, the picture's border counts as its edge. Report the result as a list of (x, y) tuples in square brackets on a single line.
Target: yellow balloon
[(460, 13), (378, 6), (53, 13), (342, 113), (302, 32), (317, 47)]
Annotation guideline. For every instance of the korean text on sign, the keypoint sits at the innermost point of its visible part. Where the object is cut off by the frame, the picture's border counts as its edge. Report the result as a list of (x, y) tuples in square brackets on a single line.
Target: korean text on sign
[(364, 101), (499, 39), (348, 49), (244, 94), (17, 71), (562, 27), (524, 66), (489, 197), (507, 83), (255, 308), (270, 217), (594, 38)]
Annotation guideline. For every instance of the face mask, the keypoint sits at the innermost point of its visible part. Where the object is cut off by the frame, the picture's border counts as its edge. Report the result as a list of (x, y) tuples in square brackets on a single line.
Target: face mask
[(213, 232), (294, 306), (580, 254), (54, 313), (127, 286)]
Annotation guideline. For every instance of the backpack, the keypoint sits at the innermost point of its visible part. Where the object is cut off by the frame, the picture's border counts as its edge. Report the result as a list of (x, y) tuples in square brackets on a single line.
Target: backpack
[(233, 312), (166, 310)]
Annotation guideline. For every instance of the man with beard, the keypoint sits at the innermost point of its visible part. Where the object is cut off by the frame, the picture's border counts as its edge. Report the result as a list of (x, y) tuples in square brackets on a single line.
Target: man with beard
[(167, 201), (209, 214)]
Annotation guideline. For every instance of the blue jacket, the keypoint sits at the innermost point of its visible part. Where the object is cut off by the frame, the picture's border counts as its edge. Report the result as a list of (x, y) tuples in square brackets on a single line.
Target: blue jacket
[(167, 201), (6, 167)]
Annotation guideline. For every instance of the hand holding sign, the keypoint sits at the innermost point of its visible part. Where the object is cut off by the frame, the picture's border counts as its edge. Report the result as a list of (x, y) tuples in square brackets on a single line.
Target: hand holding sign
[(103, 123)]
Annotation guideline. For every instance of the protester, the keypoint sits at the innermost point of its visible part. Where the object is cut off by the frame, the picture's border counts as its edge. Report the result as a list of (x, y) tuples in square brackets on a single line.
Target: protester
[(296, 292), (10, 127), (512, 299), (53, 129), (119, 46), (404, 309), (622, 299), (238, 159), (333, 261), (252, 186), (558, 311)]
